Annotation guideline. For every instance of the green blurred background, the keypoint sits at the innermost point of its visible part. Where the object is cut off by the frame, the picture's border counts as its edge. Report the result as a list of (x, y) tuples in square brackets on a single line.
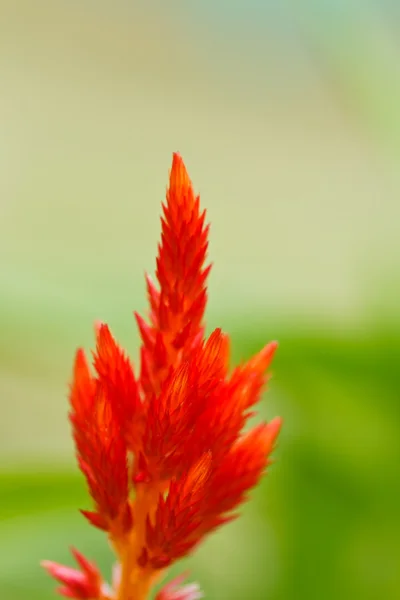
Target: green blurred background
[(287, 115)]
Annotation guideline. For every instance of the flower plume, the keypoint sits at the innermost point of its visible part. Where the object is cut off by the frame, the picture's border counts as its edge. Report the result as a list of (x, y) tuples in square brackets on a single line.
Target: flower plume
[(163, 451)]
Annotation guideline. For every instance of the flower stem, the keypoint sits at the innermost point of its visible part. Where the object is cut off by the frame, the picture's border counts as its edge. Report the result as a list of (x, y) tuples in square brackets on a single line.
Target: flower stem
[(135, 584), (136, 581)]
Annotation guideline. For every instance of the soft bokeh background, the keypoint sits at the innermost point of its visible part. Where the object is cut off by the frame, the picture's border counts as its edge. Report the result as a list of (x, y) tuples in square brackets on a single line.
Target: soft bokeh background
[(287, 115)]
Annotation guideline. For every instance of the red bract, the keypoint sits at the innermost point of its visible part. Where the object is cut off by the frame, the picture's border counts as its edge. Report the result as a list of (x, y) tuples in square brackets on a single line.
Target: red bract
[(164, 453)]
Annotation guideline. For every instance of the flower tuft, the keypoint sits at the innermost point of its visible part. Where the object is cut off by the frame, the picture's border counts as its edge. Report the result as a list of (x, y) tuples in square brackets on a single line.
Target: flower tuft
[(84, 584), (174, 591)]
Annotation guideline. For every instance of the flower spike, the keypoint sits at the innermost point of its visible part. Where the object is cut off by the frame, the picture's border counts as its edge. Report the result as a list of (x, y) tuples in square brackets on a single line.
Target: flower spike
[(177, 308), (164, 454)]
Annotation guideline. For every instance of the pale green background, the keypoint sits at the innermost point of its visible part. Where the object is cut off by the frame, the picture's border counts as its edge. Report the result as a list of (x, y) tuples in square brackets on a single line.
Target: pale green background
[(287, 115)]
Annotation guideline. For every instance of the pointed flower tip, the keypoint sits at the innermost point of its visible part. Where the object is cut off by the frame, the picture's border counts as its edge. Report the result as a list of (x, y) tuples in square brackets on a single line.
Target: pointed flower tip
[(82, 561), (274, 427), (47, 565), (95, 519), (261, 361), (97, 325), (269, 350), (179, 176), (80, 357), (176, 159), (61, 573)]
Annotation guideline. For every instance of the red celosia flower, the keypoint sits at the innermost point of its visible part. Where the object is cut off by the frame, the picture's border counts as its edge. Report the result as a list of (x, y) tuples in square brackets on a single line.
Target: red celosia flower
[(163, 453)]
